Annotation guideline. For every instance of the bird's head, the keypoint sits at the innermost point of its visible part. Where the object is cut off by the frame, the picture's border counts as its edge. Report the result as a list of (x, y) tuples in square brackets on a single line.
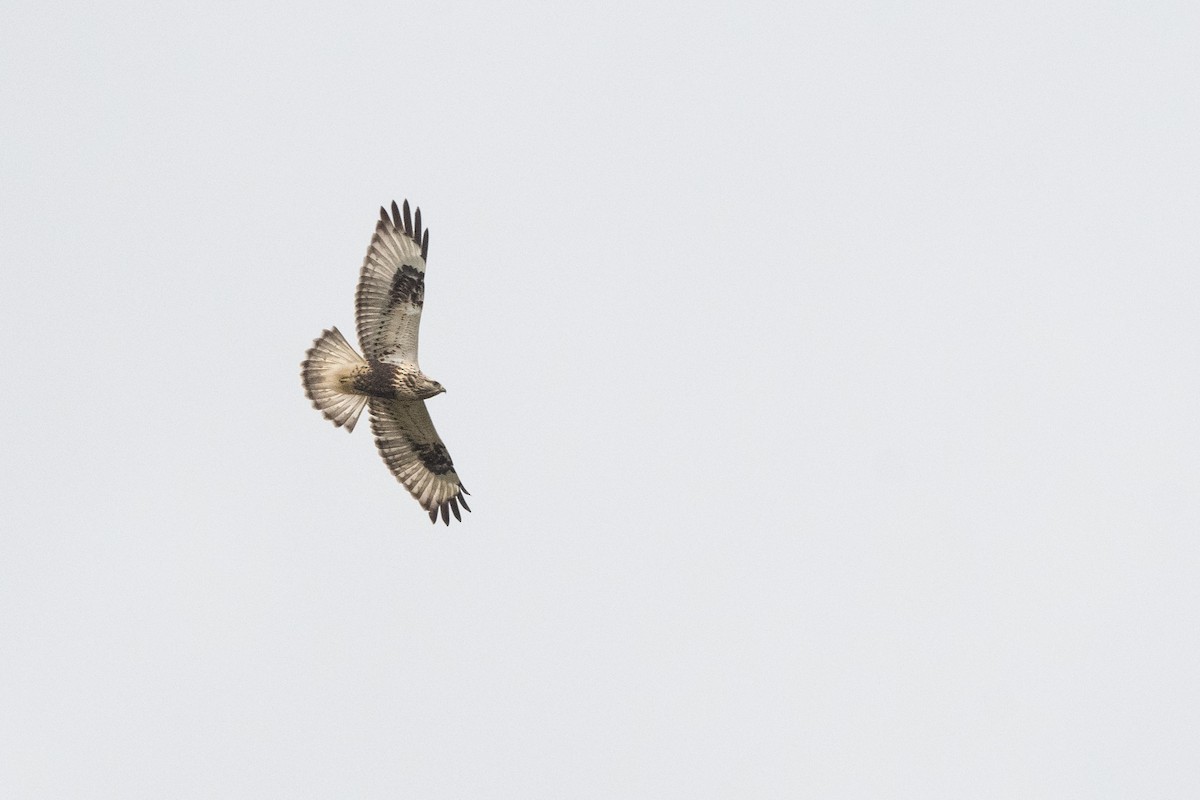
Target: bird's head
[(428, 387)]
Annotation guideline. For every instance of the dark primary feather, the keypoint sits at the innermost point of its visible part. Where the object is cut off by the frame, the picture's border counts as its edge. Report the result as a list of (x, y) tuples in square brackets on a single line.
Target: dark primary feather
[(410, 227), (446, 508)]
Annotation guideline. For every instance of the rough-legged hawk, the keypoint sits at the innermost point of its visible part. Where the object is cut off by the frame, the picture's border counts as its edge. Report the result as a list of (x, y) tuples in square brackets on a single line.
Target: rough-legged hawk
[(391, 294)]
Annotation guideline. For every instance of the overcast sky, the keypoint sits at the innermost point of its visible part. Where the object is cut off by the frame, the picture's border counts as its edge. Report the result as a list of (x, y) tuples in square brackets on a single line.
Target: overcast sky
[(825, 379)]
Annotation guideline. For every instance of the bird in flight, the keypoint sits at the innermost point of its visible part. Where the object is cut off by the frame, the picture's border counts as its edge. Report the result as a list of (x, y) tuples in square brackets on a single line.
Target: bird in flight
[(340, 382)]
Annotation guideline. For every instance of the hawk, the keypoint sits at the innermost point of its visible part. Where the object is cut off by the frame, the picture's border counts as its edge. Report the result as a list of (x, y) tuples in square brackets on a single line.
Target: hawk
[(340, 382)]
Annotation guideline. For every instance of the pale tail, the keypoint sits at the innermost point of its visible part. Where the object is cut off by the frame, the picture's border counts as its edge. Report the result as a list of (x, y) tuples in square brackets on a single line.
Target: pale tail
[(331, 357)]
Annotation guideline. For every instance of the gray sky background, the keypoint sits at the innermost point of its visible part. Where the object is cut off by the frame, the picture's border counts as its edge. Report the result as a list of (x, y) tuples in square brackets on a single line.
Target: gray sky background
[(825, 379)]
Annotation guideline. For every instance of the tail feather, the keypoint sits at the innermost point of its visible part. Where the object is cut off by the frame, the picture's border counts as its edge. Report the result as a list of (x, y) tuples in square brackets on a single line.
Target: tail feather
[(329, 359)]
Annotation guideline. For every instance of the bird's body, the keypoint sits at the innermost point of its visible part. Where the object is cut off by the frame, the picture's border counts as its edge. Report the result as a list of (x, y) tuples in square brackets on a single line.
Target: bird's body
[(388, 379)]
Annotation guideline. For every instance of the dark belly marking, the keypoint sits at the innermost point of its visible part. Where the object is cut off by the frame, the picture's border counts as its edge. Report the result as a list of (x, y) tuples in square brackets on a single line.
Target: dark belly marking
[(377, 380)]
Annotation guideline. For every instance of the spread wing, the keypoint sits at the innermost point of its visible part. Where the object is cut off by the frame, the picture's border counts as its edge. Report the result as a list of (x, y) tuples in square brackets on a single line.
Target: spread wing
[(391, 288), (415, 454)]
